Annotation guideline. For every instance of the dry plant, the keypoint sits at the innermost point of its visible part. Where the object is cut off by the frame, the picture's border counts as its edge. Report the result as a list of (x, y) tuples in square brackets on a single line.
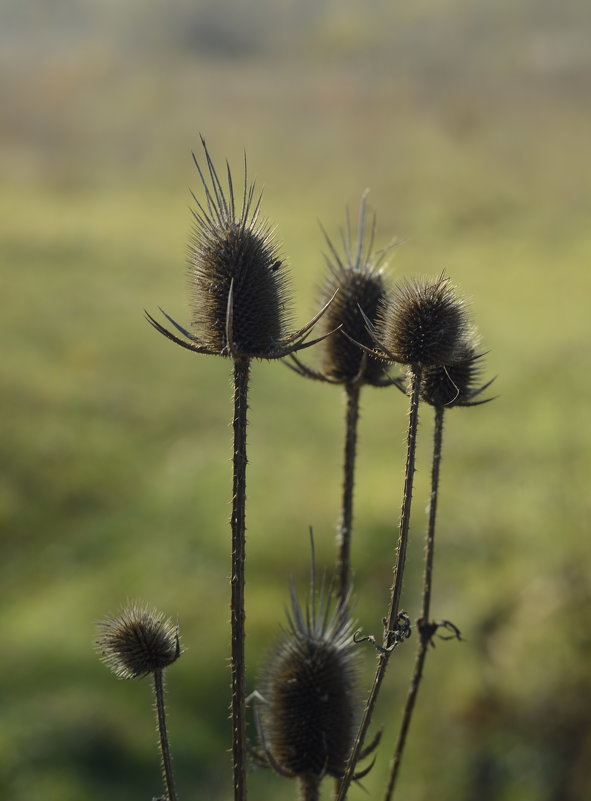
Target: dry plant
[(311, 722)]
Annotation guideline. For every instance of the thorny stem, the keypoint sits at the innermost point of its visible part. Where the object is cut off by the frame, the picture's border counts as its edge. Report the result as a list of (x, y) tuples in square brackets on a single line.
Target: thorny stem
[(241, 374), (424, 629), (346, 523), (163, 734), (309, 788), (396, 589)]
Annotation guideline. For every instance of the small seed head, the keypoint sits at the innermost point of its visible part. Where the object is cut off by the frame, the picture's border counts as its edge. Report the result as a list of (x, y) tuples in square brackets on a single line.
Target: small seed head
[(233, 248), (137, 642), (359, 289), (309, 718), (425, 323), (457, 384)]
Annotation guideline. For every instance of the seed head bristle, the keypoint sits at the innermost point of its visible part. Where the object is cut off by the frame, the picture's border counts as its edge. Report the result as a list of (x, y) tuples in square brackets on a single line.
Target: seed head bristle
[(137, 642), (425, 323), (457, 384), (308, 720), (234, 248), (355, 273)]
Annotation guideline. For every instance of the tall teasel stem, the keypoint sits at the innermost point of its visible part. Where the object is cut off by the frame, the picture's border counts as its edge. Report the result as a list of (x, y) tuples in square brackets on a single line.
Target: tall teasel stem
[(240, 301), (391, 620), (424, 629), (238, 524), (443, 387), (346, 522), (163, 735)]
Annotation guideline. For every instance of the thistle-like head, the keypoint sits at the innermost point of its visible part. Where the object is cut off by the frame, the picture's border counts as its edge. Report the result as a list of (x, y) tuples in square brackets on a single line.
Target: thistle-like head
[(425, 324), (234, 261), (308, 717), (457, 384), (355, 281), (138, 641), (238, 280)]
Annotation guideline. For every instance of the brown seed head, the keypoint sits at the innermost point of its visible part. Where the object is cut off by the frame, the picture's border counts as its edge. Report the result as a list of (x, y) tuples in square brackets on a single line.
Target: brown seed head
[(308, 720), (233, 249), (457, 384), (424, 324), (137, 642), (356, 275)]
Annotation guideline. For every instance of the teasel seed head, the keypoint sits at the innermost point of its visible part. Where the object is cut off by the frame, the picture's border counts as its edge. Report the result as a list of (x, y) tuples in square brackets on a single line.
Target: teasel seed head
[(139, 641), (238, 280), (308, 718), (424, 324), (234, 248), (361, 289), (355, 282), (457, 384)]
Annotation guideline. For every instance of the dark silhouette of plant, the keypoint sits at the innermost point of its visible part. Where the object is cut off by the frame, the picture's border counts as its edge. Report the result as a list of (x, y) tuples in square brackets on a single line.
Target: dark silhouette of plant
[(356, 278), (240, 301), (423, 326), (309, 702), (138, 642), (442, 388)]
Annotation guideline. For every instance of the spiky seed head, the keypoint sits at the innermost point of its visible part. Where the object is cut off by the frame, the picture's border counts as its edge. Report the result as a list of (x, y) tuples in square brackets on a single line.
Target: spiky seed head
[(354, 274), (424, 323), (360, 288), (309, 719), (138, 641), (232, 248), (457, 384)]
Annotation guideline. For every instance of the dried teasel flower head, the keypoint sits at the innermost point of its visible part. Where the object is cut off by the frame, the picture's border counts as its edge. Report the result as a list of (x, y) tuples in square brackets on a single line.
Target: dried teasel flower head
[(138, 641), (424, 324), (238, 281), (355, 282), (361, 289), (308, 711), (232, 248), (457, 384)]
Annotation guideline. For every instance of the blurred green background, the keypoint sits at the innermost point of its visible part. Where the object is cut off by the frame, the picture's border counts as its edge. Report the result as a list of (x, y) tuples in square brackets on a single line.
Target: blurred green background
[(470, 123)]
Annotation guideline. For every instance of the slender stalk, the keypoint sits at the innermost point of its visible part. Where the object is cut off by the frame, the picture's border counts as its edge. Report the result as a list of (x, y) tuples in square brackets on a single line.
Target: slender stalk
[(309, 788), (343, 571), (238, 523), (396, 589), (163, 734), (423, 624)]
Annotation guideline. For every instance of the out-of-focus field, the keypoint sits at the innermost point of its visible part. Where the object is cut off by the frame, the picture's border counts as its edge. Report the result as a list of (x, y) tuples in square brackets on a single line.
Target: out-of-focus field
[(470, 123)]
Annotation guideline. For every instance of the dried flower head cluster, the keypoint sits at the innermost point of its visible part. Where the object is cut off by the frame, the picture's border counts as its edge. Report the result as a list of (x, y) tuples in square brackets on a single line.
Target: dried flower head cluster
[(456, 384), (424, 324), (137, 642), (307, 720)]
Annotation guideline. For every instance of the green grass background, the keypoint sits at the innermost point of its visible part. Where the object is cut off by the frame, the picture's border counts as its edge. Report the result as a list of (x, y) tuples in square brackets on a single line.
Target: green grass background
[(470, 124)]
